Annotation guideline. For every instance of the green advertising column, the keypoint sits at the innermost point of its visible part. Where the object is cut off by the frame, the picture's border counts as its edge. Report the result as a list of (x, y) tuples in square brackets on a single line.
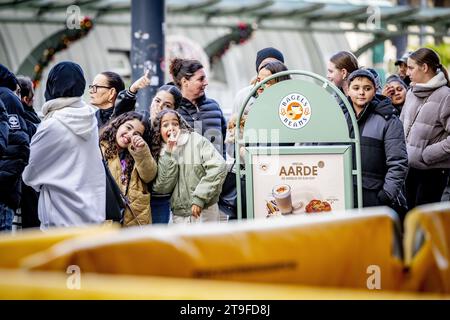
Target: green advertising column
[(298, 151)]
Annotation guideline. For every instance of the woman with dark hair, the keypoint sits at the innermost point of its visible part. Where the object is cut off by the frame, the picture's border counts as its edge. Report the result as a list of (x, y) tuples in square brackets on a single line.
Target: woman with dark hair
[(30, 198), (339, 67), (167, 97), (124, 142), (107, 92), (269, 69), (201, 113), (395, 89), (426, 122)]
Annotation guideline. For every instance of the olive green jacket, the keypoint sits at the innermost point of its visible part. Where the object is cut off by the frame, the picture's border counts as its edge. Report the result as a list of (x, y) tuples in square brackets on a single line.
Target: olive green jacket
[(194, 171)]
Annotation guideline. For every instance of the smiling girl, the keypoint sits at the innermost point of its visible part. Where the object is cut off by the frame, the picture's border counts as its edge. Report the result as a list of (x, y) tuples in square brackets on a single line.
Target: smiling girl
[(167, 97), (124, 146)]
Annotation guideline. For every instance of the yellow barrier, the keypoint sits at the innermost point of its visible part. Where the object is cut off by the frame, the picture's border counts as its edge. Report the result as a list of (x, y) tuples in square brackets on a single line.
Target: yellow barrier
[(49, 285), (14, 248), (427, 248), (352, 249)]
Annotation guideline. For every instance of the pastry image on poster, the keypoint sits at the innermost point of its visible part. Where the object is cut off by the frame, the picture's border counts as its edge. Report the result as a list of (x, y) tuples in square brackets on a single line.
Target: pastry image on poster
[(283, 201), (297, 184)]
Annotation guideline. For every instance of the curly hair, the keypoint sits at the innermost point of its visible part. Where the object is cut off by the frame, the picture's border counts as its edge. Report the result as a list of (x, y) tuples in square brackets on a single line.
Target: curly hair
[(157, 140), (109, 132)]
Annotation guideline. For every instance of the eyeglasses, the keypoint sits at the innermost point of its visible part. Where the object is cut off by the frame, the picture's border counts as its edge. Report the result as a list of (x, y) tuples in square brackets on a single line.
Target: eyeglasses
[(94, 87)]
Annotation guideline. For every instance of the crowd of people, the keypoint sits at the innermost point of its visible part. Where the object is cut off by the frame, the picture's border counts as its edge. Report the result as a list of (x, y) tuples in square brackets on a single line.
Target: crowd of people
[(169, 161)]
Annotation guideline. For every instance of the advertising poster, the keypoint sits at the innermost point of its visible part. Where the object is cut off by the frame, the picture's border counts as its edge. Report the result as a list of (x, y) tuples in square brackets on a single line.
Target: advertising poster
[(297, 184)]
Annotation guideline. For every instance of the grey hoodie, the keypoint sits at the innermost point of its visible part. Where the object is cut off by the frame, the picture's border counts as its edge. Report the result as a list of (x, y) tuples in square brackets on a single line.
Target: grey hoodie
[(65, 165)]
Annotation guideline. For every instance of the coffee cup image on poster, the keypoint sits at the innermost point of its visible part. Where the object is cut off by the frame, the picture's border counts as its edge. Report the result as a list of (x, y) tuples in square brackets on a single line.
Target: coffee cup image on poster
[(297, 184)]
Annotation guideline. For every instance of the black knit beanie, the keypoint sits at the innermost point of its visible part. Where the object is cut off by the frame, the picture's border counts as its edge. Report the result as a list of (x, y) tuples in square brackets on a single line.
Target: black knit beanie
[(362, 73), (268, 53)]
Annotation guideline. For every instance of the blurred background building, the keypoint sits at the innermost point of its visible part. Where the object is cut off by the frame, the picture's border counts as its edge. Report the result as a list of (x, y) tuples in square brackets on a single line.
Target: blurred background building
[(224, 34)]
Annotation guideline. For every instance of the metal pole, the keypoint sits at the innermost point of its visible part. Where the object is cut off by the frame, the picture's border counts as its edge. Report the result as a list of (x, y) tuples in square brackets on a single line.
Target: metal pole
[(147, 46), (423, 5)]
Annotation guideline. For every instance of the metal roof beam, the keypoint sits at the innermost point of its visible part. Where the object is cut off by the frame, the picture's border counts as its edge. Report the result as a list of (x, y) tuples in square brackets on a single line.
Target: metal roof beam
[(284, 10)]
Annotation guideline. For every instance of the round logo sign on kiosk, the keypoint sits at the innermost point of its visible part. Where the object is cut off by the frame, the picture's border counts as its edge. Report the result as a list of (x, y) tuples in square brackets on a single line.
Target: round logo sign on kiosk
[(294, 111)]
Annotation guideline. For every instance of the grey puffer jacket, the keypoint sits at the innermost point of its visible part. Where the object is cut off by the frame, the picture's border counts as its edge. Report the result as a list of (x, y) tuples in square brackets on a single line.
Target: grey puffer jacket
[(426, 121)]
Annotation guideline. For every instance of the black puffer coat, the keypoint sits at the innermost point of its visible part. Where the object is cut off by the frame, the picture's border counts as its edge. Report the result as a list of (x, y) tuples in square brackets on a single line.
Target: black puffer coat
[(207, 119), (4, 128), (383, 154), (15, 157), (8, 83), (12, 163)]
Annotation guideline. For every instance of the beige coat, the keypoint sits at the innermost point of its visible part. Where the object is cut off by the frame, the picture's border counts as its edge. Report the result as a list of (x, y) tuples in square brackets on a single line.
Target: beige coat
[(144, 171)]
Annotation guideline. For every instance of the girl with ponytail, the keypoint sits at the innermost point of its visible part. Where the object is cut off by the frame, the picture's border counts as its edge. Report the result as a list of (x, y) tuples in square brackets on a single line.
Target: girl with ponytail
[(426, 123)]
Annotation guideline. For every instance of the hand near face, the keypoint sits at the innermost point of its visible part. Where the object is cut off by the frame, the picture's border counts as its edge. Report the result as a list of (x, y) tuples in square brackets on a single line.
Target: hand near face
[(172, 141), (141, 83), (388, 91), (137, 143), (196, 211)]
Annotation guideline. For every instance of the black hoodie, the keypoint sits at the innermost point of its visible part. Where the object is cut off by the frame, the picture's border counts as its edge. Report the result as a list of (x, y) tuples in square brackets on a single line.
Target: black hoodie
[(8, 83)]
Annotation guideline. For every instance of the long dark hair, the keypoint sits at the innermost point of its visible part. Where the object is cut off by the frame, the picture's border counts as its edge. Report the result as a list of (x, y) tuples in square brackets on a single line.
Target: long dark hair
[(275, 67), (174, 91), (157, 140), (109, 132), (183, 68), (431, 59)]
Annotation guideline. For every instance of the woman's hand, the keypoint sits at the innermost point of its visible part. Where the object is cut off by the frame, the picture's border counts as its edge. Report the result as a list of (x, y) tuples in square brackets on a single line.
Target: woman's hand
[(388, 91), (137, 143), (172, 141), (140, 83), (196, 211)]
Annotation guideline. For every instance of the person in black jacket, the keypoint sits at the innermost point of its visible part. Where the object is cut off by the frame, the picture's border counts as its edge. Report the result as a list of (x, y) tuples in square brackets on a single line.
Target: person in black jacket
[(15, 157), (4, 128), (27, 97), (30, 198), (383, 150), (16, 112), (201, 113), (107, 92)]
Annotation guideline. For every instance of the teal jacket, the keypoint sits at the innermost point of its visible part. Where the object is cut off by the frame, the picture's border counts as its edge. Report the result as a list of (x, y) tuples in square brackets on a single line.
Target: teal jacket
[(194, 170)]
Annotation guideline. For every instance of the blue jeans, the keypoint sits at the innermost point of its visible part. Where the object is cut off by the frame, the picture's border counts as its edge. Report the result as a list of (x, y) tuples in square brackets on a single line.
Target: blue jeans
[(160, 206), (6, 217)]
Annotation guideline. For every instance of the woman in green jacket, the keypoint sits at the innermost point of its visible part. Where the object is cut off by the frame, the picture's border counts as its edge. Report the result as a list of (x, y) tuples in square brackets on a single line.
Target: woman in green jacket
[(190, 166)]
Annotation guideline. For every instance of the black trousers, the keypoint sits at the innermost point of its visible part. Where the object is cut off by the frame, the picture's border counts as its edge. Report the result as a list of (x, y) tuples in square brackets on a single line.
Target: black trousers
[(29, 207), (425, 186)]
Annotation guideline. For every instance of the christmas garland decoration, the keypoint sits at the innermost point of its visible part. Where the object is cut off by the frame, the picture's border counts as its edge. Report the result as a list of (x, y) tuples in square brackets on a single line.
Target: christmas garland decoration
[(238, 35), (63, 39)]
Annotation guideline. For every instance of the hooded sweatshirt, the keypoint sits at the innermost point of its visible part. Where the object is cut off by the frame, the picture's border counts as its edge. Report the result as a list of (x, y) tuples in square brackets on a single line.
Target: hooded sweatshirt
[(65, 162), (8, 84)]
